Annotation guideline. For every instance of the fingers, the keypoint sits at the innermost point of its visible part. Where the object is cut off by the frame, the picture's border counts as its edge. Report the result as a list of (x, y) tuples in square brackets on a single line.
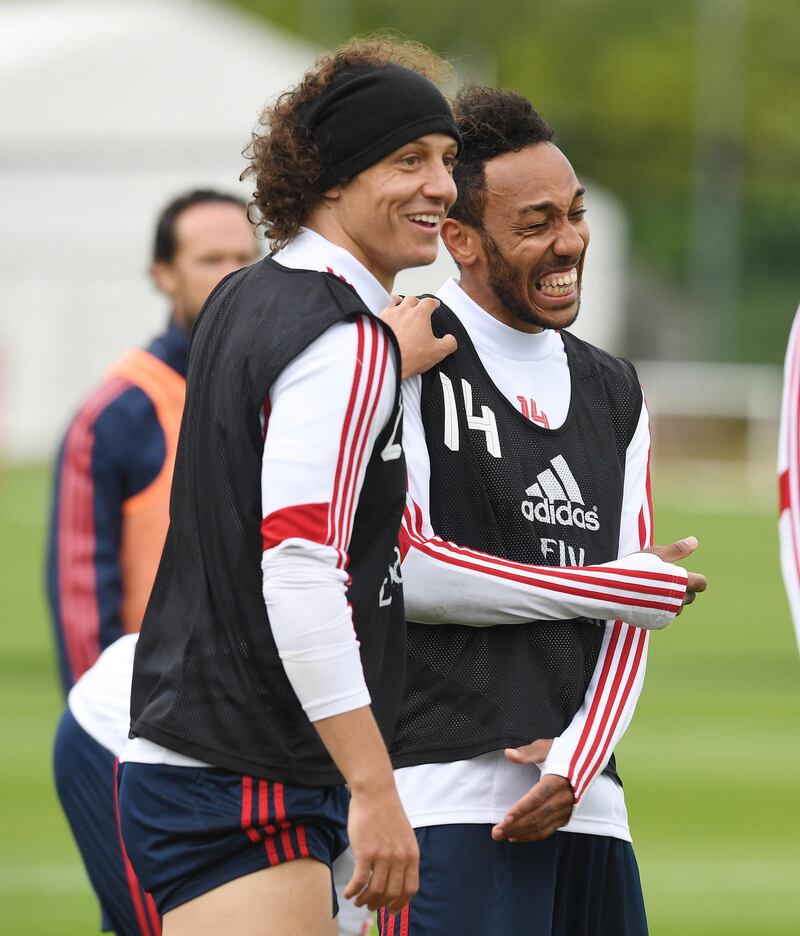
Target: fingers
[(359, 880), (533, 753), (444, 347), (696, 583), (675, 552), (392, 884), (537, 815)]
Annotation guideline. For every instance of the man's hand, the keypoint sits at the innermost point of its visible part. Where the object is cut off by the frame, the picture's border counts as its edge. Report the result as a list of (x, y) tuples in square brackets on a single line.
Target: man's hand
[(410, 320), (676, 552), (544, 809), (385, 850)]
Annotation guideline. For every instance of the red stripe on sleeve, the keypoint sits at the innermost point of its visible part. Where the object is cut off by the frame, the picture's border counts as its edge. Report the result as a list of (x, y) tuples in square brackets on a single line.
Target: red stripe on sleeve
[(77, 578), (612, 644), (641, 638), (306, 521), (784, 496), (374, 390), (601, 723), (585, 775), (338, 476)]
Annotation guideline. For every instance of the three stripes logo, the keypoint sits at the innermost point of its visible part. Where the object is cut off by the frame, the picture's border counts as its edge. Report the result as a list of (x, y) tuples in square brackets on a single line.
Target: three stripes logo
[(557, 499)]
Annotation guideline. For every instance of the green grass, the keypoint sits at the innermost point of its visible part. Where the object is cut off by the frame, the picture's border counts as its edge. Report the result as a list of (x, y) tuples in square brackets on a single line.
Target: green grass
[(711, 763)]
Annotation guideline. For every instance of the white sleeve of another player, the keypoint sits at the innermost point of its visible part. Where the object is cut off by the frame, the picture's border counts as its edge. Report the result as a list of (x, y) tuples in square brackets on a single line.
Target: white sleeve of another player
[(326, 410), (445, 583), (789, 475), (581, 753)]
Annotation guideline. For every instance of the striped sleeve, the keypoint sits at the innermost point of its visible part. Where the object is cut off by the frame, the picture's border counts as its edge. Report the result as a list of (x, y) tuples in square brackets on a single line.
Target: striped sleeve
[(84, 578), (445, 582), (582, 751), (325, 413), (789, 476)]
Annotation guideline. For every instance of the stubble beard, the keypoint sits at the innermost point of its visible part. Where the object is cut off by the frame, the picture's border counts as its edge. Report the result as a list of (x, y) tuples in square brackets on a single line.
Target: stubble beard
[(508, 288)]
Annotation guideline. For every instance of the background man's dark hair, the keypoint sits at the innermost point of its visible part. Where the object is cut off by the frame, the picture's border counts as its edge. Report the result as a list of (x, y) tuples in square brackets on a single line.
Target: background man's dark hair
[(492, 122), (165, 243)]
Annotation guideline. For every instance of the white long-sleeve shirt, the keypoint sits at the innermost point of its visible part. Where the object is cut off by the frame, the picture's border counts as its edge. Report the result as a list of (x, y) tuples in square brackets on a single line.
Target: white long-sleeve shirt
[(445, 583), (789, 475), (323, 416)]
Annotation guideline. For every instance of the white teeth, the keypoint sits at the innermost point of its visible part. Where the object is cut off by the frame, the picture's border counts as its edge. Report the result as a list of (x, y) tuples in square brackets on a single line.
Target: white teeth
[(560, 285), (426, 218)]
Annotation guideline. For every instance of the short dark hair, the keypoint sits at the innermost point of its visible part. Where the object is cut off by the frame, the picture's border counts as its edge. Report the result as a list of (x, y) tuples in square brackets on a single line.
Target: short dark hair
[(492, 122), (165, 242)]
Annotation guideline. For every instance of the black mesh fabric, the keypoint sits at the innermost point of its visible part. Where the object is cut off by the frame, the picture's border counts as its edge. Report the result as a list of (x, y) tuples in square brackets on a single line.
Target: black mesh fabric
[(470, 689), (208, 681)]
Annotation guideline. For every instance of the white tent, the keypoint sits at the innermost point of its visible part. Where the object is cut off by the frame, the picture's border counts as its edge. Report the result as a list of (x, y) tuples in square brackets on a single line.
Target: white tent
[(108, 108)]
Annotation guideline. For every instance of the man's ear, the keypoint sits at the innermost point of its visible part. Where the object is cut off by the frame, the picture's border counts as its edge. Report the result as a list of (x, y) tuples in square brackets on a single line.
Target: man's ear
[(164, 277), (462, 242), (333, 194)]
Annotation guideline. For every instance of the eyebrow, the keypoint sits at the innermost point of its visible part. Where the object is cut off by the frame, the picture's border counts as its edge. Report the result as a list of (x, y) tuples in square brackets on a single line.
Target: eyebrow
[(543, 206)]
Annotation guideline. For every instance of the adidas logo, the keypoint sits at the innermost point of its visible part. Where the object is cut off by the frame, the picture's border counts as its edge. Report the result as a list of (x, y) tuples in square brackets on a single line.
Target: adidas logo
[(558, 484)]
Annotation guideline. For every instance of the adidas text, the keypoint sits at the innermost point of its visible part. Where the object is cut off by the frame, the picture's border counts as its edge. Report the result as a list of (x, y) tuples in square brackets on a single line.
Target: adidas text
[(564, 514)]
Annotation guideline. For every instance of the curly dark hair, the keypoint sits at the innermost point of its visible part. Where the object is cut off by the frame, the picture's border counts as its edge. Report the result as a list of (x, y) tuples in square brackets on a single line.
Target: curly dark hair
[(284, 158), (492, 122)]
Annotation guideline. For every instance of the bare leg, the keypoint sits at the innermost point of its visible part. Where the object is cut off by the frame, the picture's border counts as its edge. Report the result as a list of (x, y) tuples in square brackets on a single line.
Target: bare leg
[(291, 899)]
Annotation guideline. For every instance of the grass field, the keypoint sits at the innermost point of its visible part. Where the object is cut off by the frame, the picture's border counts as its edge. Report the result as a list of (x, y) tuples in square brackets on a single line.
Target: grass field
[(711, 762)]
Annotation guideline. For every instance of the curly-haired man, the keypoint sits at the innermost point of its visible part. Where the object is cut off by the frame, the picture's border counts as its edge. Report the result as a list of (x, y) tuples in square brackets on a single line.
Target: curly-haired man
[(269, 667)]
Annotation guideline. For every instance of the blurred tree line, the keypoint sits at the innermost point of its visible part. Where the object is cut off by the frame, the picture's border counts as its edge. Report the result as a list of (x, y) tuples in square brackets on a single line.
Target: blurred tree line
[(688, 110)]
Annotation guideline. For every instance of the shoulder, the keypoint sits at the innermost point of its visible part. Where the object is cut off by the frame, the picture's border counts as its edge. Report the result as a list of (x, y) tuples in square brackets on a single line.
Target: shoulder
[(113, 420), (613, 370)]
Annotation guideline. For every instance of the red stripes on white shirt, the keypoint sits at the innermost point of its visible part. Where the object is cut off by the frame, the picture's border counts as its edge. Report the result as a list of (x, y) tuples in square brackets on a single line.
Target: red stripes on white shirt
[(77, 579), (364, 396), (789, 473), (331, 523), (610, 585), (620, 663)]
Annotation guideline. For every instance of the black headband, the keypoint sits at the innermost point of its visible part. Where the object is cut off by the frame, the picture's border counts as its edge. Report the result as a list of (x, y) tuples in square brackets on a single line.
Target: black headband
[(367, 112)]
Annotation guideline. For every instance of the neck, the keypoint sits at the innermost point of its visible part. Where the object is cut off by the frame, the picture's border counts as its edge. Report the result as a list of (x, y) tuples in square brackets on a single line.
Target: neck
[(479, 291), (324, 222)]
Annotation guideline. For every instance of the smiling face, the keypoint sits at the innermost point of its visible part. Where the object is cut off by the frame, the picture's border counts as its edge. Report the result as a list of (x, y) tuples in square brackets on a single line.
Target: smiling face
[(525, 266), (390, 215)]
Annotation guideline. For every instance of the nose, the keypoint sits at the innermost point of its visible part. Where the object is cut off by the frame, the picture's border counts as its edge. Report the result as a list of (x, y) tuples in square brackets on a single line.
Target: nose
[(569, 242), (439, 185)]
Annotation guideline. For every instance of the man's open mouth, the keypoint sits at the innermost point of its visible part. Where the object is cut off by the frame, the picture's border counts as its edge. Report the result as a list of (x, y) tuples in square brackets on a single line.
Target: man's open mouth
[(558, 284)]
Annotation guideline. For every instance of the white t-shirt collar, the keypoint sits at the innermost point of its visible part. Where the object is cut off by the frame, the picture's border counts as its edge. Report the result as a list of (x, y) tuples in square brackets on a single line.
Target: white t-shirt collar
[(311, 251), (488, 333)]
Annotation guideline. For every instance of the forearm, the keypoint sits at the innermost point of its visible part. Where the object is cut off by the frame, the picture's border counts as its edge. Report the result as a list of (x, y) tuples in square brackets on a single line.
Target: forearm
[(311, 621), (582, 751), (358, 750), (319, 440), (444, 583)]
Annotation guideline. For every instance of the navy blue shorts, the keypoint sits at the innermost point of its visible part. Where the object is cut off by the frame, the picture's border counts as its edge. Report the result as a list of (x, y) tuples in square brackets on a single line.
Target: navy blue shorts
[(85, 774), (189, 830), (566, 885)]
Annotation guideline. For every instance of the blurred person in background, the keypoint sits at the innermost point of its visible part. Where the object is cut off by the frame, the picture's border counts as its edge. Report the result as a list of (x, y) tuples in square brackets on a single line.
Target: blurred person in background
[(789, 475), (109, 520), (269, 669), (528, 481)]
